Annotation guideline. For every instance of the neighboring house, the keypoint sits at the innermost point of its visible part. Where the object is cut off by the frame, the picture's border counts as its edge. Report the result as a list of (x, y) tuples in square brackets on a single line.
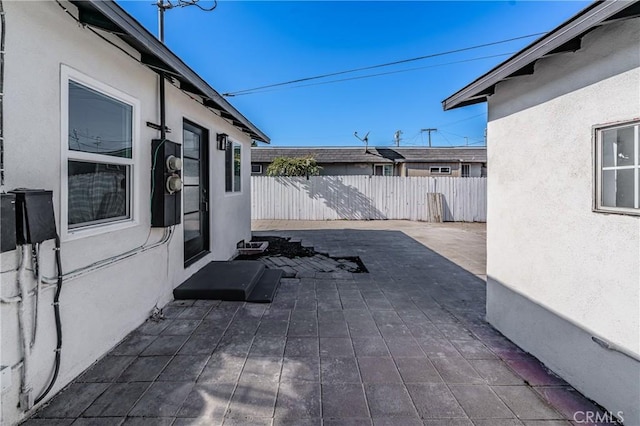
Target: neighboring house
[(81, 113), (563, 267), (342, 161)]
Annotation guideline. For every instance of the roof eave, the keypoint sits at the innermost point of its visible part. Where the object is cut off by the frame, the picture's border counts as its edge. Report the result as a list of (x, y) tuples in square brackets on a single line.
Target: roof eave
[(548, 44), (168, 61)]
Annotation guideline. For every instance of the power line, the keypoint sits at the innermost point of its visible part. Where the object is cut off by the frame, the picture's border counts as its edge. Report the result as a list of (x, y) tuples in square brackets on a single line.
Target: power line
[(402, 61), (370, 75), (461, 120)]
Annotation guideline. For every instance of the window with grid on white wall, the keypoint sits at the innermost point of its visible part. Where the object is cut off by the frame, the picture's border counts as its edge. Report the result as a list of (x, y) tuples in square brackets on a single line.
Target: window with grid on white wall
[(617, 155), (233, 167), (99, 133)]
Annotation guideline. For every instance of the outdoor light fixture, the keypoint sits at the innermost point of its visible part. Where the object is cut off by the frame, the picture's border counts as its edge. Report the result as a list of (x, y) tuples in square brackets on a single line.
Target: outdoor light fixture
[(222, 139)]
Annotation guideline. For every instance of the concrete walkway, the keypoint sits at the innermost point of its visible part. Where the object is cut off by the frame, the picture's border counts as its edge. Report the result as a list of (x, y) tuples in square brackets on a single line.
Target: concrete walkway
[(405, 344)]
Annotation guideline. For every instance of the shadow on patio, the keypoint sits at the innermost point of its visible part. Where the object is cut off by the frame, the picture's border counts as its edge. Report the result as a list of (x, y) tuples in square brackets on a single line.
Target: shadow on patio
[(404, 344)]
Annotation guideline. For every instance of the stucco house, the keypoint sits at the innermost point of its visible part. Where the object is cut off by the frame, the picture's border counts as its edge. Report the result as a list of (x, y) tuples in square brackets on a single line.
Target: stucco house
[(85, 118), (563, 243), (379, 161)]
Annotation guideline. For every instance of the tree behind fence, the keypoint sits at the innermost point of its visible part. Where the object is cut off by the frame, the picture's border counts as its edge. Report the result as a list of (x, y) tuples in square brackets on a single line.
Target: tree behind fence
[(367, 198)]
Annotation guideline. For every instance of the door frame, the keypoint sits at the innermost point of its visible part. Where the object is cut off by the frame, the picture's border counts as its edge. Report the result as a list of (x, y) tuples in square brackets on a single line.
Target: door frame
[(200, 246)]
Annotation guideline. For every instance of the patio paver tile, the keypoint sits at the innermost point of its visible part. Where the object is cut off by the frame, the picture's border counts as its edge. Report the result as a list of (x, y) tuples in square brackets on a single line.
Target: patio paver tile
[(117, 400), (72, 401), (479, 402), (107, 369), (183, 368), (298, 400), (391, 400), (339, 370), (417, 370), (162, 399), (434, 401), (378, 370), (144, 369), (207, 401), (340, 400), (526, 403)]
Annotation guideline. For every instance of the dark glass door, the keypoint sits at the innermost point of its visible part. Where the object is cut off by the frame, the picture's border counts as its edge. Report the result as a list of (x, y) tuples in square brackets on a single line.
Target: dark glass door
[(195, 195)]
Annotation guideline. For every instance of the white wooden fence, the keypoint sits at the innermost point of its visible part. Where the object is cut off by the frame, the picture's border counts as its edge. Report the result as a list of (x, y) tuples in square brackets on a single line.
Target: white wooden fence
[(367, 197)]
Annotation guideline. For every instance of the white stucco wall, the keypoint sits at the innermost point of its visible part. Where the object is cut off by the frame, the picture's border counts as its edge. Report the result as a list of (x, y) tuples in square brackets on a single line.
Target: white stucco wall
[(559, 273), (99, 308)]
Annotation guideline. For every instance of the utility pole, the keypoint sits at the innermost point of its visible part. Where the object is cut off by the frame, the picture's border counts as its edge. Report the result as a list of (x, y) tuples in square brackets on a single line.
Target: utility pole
[(429, 132), (466, 141)]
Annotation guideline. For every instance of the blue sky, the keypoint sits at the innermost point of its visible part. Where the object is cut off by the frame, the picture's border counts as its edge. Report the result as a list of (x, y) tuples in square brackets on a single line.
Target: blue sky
[(243, 44)]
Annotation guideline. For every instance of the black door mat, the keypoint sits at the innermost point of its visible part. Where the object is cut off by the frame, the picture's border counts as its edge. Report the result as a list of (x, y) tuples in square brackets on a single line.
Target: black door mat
[(265, 290), (233, 280)]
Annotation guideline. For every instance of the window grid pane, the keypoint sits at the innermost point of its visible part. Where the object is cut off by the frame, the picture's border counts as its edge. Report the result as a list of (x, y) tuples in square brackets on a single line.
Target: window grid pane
[(619, 175), (228, 167), (98, 123), (97, 193), (236, 168)]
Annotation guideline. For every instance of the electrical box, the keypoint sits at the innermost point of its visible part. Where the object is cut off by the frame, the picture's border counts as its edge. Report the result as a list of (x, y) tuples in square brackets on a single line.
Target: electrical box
[(35, 220), (7, 222), (166, 183)]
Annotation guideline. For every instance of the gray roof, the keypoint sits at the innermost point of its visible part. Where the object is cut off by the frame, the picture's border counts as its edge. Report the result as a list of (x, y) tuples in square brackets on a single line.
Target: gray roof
[(108, 16), (565, 38), (373, 155)]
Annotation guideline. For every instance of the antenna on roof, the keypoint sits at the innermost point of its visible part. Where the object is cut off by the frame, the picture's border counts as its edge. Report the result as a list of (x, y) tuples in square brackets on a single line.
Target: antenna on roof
[(397, 136), (164, 5), (365, 139)]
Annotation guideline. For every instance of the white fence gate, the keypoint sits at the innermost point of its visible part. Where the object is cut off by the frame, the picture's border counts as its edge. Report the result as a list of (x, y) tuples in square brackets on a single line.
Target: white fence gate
[(367, 197)]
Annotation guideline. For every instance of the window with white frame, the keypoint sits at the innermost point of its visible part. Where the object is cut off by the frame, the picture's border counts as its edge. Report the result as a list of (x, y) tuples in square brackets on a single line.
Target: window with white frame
[(617, 157), (98, 182), (466, 170), (383, 170), (256, 169), (440, 170), (233, 169)]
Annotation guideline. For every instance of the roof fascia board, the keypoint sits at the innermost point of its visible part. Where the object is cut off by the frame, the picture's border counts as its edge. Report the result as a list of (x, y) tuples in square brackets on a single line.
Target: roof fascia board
[(553, 40), (114, 12)]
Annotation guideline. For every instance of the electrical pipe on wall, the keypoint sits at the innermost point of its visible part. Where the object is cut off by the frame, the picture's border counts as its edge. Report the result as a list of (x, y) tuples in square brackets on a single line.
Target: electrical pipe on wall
[(35, 263), (56, 312), (26, 400)]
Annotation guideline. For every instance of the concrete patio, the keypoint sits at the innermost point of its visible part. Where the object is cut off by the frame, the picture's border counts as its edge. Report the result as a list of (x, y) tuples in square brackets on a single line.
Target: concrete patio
[(405, 344)]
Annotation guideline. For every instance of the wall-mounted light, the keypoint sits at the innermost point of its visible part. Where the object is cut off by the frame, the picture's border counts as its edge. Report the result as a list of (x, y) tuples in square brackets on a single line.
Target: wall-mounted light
[(222, 139)]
